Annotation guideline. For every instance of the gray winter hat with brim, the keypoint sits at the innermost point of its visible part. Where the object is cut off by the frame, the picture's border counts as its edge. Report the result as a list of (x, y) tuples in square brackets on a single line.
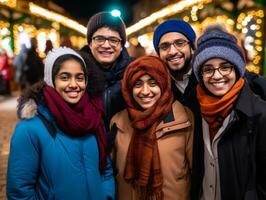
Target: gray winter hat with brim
[(216, 43)]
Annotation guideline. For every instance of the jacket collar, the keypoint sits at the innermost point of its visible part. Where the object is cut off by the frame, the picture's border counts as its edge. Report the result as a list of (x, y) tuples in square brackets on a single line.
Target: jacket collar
[(178, 95), (245, 101), (175, 120), (118, 67)]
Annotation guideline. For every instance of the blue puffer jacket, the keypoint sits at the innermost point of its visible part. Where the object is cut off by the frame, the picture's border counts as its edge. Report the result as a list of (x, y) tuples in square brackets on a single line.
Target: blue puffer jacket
[(62, 168)]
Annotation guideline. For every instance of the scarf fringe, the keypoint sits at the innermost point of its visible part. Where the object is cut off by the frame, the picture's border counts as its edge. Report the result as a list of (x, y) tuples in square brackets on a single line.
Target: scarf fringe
[(145, 193)]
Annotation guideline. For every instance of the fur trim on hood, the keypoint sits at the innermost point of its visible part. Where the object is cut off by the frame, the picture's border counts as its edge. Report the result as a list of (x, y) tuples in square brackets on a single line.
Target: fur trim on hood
[(28, 110), (28, 101)]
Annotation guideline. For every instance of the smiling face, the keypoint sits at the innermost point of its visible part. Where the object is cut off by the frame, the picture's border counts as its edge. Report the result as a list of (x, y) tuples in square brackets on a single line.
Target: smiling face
[(146, 91), (218, 84), (70, 81), (105, 53), (177, 59)]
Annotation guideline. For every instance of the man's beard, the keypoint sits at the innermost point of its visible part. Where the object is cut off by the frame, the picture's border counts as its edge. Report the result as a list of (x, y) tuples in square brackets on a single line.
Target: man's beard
[(183, 70)]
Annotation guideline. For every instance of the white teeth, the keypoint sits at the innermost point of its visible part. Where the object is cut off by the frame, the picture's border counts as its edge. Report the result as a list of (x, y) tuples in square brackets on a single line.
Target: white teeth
[(175, 58), (146, 99), (106, 52), (219, 84), (72, 94)]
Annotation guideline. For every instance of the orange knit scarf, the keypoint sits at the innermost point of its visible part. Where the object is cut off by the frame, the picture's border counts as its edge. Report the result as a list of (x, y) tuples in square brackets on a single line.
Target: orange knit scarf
[(143, 167), (214, 110)]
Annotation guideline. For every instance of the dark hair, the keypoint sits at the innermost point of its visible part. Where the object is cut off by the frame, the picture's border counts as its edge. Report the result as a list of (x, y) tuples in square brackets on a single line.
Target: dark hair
[(48, 46), (60, 60)]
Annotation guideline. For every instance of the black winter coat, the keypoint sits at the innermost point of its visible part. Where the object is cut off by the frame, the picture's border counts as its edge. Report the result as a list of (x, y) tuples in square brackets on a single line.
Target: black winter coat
[(112, 96), (257, 83), (183, 97), (241, 151)]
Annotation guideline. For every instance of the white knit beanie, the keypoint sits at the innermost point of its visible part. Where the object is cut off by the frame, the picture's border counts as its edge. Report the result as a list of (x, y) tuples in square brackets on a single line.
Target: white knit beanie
[(51, 58)]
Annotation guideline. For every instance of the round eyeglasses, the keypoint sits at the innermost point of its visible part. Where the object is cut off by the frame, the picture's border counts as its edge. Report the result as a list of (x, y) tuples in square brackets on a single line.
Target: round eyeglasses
[(100, 40), (224, 70), (178, 44)]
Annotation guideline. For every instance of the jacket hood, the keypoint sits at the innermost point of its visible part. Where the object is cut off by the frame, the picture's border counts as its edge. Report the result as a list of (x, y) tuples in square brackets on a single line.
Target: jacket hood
[(29, 100), (27, 110), (178, 118), (246, 101)]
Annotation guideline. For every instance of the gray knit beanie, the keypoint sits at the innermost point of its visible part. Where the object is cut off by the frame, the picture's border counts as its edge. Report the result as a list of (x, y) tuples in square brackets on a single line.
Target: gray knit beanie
[(216, 43), (51, 58)]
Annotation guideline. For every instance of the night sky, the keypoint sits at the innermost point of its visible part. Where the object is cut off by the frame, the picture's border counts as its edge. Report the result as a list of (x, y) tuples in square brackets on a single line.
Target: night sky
[(81, 10)]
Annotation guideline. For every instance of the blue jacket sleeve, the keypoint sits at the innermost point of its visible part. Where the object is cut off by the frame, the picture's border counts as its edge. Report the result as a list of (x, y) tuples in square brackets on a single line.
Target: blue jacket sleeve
[(23, 164), (108, 181)]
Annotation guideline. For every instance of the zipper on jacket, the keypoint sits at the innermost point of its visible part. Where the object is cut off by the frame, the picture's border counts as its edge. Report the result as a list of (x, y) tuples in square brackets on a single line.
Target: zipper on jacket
[(107, 107)]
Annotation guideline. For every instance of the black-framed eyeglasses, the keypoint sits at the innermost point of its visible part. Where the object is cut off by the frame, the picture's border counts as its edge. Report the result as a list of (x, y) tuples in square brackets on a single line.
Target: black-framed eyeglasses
[(178, 44), (100, 40), (224, 70)]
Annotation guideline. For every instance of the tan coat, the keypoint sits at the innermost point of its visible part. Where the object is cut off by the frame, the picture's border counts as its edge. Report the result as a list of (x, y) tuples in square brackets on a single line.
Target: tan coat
[(175, 149)]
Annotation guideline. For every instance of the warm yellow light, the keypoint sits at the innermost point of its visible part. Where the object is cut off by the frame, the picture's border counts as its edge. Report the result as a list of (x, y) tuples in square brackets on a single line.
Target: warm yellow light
[(9, 3), (260, 13), (223, 20), (186, 18), (77, 41), (238, 26), (30, 30), (39, 11), (258, 42), (194, 9), (259, 21), (134, 41), (258, 34), (255, 61), (164, 12), (259, 48), (253, 68), (194, 18), (257, 58), (230, 22), (200, 6)]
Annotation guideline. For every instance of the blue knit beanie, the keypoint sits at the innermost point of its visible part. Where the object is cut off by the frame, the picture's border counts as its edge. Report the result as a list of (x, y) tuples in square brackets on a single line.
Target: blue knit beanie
[(174, 25), (216, 43)]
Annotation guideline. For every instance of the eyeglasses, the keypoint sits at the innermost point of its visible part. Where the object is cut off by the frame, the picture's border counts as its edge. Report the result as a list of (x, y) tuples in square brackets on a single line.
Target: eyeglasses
[(224, 70), (100, 40), (178, 44)]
